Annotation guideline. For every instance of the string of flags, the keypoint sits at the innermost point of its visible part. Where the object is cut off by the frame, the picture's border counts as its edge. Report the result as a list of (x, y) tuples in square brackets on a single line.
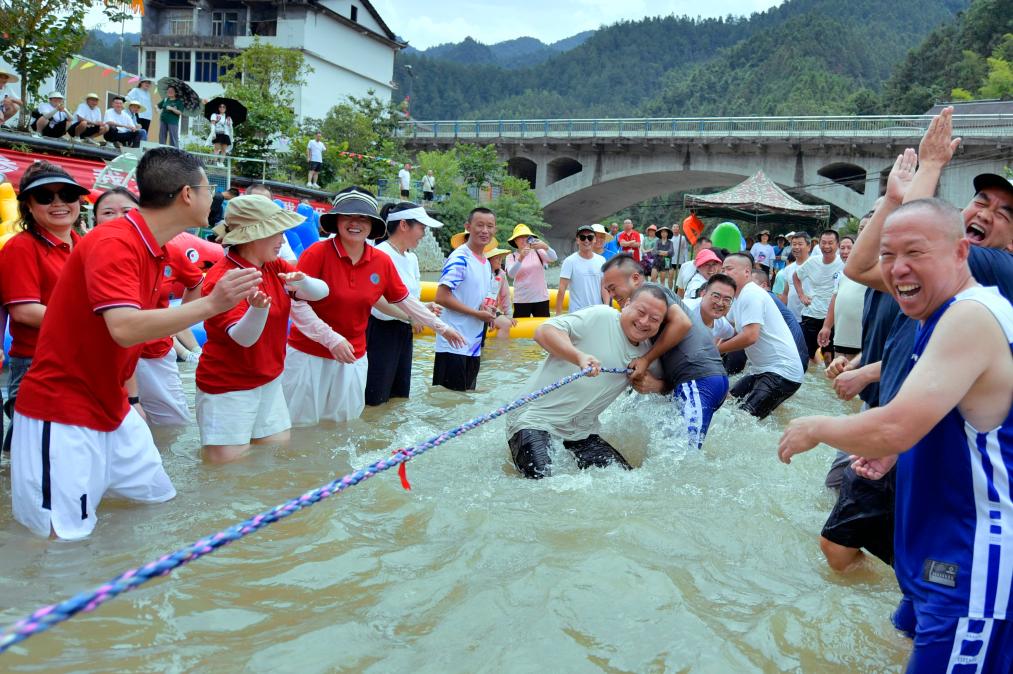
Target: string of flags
[(82, 64), (369, 157)]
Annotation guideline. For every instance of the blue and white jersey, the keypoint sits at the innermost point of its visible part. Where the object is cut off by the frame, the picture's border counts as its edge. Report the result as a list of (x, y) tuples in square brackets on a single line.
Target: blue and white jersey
[(954, 526), (470, 280)]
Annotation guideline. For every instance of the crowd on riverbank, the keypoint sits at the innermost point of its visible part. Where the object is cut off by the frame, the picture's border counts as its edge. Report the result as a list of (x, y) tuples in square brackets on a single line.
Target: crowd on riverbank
[(895, 307)]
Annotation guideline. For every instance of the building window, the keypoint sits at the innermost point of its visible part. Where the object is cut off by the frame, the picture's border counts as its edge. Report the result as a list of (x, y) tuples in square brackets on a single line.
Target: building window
[(181, 22), (179, 65), (224, 23), (149, 63), (354, 13), (206, 66)]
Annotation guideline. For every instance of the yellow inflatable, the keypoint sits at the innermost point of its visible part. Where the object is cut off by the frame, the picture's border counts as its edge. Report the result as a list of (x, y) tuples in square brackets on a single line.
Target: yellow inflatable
[(429, 295), (525, 328), (8, 213)]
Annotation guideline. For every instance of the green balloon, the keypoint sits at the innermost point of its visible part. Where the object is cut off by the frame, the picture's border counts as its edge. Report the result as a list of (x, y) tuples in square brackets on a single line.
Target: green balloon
[(727, 236)]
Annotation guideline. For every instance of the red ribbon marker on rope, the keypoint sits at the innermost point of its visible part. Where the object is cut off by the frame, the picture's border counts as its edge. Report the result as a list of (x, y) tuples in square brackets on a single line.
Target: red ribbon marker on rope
[(402, 470)]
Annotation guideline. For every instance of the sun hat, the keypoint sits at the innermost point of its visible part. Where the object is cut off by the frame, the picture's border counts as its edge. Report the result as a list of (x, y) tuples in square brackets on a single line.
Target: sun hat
[(490, 254), (91, 94), (139, 105), (10, 76), (55, 94), (657, 234), (650, 227), (985, 180), (762, 232), (519, 230), (416, 213), (353, 201), (49, 178), (461, 238), (704, 256), (252, 217), (598, 229)]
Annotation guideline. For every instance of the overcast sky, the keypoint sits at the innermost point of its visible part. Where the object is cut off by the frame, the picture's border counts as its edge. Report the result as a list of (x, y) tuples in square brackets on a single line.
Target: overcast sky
[(425, 24)]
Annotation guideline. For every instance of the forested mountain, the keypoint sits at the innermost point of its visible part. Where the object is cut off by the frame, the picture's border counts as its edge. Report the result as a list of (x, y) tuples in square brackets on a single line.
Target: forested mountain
[(802, 57), (105, 47), (517, 53)]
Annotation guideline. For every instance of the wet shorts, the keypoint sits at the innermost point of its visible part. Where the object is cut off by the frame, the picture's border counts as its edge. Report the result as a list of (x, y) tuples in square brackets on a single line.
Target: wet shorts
[(161, 391), (455, 371), (863, 515), (760, 394), (60, 473), (529, 449), (699, 399), (322, 389), (236, 417), (949, 645)]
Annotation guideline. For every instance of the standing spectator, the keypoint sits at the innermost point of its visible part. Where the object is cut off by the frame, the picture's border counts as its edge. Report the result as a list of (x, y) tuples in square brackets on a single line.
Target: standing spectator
[(821, 271), (527, 267), (239, 393), (10, 104), (683, 248), (134, 109), (404, 181), (88, 121), (122, 128), (763, 252), (171, 111), (315, 160), (611, 246), (630, 240), (581, 275), (843, 325), (221, 130), (775, 373), (647, 249), (142, 94), (389, 338), (601, 237), (428, 186), (688, 269), (52, 119), (707, 264), (789, 295), (664, 256), (465, 285)]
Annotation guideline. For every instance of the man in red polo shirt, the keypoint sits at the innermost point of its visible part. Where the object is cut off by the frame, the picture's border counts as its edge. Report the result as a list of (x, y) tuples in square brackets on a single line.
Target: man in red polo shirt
[(76, 436), (629, 240)]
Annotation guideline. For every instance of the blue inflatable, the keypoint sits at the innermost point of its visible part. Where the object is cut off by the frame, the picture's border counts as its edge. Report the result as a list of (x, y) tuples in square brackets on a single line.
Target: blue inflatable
[(309, 230)]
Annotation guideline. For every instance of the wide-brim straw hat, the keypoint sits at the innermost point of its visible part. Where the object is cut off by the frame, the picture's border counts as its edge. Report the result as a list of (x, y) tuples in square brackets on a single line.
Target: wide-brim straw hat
[(600, 229), (56, 94), (141, 107), (520, 230), (657, 234), (12, 78), (354, 202), (490, 254), (92, 94), (252, 217)]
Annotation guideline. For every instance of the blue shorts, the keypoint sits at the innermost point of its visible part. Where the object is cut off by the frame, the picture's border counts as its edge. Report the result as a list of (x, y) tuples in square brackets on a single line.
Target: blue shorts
[(698, 400), (946, 645)]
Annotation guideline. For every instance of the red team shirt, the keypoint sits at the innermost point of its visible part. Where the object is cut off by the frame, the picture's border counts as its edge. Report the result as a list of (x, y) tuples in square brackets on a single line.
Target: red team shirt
[(354, 289), (78, 372), (226, 366), (632, 235), (178, 270), (30, 266)]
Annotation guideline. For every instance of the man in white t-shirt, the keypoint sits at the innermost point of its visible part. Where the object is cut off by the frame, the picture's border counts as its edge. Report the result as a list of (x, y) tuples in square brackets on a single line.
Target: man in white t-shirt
[(51, 119), (775, 372), (89, 120), (581, 275), (842, 328), (593, 338), (315, 160), (688, 269), (123, 129), (464, 285), (821, 271), (800, 250), (404, 180)]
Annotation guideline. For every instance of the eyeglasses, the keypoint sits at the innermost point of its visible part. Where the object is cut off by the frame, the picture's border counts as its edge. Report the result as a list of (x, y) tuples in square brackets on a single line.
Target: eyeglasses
[(586, 237), (720, 299), (210, 188), (68, 195)]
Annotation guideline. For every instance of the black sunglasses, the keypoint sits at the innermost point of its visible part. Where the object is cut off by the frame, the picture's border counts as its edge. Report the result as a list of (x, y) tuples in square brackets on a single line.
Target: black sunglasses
[(68, 195), (586, 237)]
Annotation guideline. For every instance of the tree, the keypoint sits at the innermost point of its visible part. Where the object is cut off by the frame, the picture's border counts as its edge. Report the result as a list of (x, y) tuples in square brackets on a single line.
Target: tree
[(264, 78), (479, 164)]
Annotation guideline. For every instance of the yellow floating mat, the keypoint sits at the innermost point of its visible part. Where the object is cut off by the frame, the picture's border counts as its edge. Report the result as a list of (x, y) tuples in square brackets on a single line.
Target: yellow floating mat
[(429, 295)]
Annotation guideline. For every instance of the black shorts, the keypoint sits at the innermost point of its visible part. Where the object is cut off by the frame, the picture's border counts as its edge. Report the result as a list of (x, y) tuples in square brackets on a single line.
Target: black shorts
[(811, 330), (90, 130), (390, 369), (223, 139), (57, 130), (863, 515), (531, 309), (456, 372), (734, 361), (428, 196), (405, 194), (529, 449), (315, 166), (760, 394), (848, 351)]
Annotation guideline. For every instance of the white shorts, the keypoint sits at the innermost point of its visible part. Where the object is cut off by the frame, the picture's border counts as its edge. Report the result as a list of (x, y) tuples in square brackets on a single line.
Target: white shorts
[(161, 391), (60, 473), (236, 417), (319, 389)]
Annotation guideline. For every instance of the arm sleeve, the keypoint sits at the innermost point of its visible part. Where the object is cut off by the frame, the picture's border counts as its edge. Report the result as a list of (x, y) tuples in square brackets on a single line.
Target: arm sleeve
[(550, 255), (248, 329), (310, 325), (309, 289), (418, 313), (513, 264)]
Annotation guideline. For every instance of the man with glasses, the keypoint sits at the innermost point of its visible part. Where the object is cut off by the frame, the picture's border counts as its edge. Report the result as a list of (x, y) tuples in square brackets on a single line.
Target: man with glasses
[(581, 275), (76, 434), (713, 304)]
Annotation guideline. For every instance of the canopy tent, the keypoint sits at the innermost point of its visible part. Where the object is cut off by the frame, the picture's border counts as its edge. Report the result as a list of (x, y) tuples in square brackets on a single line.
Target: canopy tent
[(757, 198)]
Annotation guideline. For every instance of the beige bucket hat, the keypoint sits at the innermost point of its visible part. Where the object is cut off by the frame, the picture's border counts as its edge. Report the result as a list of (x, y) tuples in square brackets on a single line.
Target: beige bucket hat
[(252, 217)]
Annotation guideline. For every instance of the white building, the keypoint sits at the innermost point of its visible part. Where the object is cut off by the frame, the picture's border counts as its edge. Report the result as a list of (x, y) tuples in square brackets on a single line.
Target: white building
[(349, 47)]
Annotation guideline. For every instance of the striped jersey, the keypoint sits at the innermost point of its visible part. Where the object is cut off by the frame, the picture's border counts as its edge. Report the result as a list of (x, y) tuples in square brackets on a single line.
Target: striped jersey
[(470, 280), (954, 526)]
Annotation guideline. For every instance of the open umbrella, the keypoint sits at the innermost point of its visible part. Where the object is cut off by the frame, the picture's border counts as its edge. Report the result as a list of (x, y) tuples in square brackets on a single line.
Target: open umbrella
[(188, 98), (233, 108)]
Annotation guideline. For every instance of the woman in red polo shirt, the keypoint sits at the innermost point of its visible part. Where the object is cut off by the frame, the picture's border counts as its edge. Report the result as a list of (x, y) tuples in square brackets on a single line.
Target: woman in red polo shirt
[(239, 394), (326, 365), (49, 202)]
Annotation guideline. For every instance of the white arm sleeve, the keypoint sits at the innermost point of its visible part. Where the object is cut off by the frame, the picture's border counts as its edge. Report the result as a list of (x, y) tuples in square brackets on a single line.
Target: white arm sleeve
[(550, 255), (247, 331), (310, 325), (309, 289), (420, 314)]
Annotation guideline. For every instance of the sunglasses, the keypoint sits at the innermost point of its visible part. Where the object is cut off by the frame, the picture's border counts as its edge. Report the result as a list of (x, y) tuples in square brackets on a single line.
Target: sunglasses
[(68, 195), (585, 237)]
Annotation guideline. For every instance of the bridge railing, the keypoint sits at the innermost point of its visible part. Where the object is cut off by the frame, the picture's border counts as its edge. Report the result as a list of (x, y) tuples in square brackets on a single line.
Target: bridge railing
[(704, 127)]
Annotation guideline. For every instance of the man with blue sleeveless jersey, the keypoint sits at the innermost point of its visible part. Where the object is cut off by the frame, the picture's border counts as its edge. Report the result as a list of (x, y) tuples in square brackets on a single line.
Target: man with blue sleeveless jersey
[(952, 420)]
